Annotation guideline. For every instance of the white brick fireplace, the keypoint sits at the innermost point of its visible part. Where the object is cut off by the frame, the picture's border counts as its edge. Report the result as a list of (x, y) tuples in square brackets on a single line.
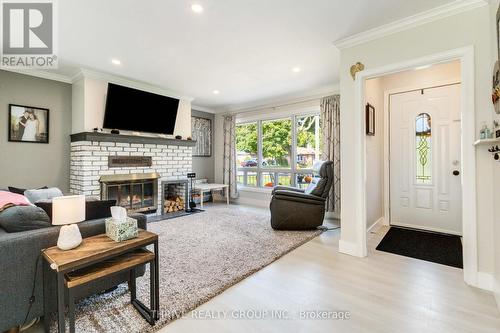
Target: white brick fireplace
[(90, 160)]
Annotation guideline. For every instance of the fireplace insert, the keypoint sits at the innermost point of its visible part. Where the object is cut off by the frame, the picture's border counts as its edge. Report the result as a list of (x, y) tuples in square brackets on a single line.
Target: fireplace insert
[(136, 192)]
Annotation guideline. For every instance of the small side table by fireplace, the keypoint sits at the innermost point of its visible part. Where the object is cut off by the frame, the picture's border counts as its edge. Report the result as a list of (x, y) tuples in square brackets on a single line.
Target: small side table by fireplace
[(99, 257), (202, 187)]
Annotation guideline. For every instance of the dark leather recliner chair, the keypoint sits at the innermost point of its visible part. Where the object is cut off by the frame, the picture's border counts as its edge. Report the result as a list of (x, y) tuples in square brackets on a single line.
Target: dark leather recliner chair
[(298, 209)]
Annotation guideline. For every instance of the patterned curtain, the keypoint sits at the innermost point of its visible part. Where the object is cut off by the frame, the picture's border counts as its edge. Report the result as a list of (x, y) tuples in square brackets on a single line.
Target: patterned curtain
[(330, 126), (229, 167)]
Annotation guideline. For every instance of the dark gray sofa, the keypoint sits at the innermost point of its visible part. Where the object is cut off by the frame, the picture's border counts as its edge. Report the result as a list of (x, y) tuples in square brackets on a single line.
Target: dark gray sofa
[(18, 255)]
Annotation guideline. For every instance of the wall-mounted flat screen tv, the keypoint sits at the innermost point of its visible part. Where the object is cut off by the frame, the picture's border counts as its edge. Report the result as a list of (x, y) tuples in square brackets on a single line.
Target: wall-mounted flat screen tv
[(136, 110)]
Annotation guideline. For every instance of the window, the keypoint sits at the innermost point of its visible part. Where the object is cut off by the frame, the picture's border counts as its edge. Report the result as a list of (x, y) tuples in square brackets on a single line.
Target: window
[(423, 144), (247, 159), (276, 143), (246, 145), (278, 151), (308, 141)]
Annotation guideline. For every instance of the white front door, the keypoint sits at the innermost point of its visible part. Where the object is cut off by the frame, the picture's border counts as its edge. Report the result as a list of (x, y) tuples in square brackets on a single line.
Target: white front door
[(425, 166)]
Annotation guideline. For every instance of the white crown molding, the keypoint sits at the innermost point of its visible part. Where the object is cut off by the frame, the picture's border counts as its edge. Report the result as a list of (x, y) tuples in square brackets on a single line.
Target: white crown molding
[(40, 74), (202, 108), (453, 8), (87, 73), (96, 75), (303, 96)]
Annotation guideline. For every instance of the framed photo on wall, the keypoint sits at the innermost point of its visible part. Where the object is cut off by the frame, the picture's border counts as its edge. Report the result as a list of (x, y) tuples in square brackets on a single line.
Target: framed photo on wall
[(201, 131), (370, 120), (28, 124)]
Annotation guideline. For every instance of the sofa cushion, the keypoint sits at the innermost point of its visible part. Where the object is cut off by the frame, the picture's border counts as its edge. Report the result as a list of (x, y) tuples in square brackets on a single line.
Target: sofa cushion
[(42, 194), (94, 209), (98, 209), (311, 186), (23, 218), (9, 199), (322, 184), (319, 189), (21, 191)]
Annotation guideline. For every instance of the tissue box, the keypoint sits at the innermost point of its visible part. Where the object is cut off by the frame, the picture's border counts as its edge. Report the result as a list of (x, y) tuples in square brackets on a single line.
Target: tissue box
[(121, 231)]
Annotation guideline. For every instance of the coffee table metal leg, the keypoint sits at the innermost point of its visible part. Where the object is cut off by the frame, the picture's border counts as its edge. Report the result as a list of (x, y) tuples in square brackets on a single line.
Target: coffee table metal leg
[(227, 194), (152, 293), (132, 285), (157, 281), (71, 310), (60, 302), (201, 199)]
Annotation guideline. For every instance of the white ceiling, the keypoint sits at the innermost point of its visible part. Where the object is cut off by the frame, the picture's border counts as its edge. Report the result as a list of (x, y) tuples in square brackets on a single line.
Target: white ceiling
[(246, 49)]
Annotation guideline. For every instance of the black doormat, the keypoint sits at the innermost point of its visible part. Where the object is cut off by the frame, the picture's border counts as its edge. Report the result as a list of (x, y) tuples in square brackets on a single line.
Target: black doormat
[(439, 248)]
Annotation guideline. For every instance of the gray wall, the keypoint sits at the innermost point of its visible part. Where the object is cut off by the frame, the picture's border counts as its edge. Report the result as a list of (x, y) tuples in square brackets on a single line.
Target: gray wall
[(31, 165), (204, 166)]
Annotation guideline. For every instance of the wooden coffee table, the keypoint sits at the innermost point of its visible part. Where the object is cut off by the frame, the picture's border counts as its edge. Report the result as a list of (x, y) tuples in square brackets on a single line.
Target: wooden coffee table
[(99, 257)]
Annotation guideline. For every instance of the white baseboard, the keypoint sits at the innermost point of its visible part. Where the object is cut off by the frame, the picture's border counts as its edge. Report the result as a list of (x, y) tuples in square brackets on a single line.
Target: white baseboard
[(496, 292), (252, 202), (484, 281), (350, 248), (380, 221), (332, 215)]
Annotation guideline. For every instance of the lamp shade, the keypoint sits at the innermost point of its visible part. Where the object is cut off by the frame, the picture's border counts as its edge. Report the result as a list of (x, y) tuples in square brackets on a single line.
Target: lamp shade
[(69, 209)]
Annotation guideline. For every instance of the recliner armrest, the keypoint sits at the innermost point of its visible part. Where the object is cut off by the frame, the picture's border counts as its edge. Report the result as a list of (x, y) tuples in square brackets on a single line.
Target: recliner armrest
[(298, 196), (287, 188)]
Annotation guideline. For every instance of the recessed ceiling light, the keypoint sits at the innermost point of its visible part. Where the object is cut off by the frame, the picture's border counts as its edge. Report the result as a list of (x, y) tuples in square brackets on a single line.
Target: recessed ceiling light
[(296, 69), (216, 92), (197, 8), (116, 62)]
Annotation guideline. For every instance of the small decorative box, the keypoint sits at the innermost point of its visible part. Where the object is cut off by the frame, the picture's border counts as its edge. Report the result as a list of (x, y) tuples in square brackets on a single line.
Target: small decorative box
[(121, 231)]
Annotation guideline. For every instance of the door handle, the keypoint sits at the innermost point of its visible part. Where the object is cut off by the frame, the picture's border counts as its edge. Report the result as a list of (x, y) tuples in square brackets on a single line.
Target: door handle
[(456, 173)]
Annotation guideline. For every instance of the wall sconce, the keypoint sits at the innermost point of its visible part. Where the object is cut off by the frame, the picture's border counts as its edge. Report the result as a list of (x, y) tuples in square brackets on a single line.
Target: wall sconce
[(358, 67)]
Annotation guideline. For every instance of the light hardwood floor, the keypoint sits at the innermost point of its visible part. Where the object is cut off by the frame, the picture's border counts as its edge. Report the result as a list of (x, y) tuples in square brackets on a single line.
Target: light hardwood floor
[(383, 293)]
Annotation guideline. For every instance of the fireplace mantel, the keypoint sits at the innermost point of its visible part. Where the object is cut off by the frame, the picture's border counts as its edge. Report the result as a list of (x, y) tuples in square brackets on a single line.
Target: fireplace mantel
[(123, 138), (129, 177)]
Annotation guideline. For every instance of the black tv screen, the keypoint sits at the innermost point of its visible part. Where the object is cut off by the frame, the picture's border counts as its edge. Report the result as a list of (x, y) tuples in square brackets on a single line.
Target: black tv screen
[(136, 110)]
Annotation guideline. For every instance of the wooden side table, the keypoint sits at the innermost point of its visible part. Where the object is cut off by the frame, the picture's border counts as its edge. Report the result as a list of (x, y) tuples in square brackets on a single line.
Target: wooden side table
[(96, 258)]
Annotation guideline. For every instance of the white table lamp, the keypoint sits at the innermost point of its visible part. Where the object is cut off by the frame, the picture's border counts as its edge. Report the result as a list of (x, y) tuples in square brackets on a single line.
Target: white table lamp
[(66, 211)]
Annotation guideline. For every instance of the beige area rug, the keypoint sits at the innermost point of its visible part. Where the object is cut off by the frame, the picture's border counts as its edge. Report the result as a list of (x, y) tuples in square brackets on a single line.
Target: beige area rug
[(201, 255)]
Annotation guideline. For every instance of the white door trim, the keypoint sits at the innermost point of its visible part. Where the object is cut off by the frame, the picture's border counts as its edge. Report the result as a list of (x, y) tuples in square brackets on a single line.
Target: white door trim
[(387, 134), (466, 57)]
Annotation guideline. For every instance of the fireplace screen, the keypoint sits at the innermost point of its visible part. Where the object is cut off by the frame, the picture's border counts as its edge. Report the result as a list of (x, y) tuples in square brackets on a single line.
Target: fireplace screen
[(134, 192)]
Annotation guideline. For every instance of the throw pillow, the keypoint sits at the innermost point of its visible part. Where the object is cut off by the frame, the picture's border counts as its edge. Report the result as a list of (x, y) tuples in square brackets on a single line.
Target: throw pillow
[(42, 194), (312, 185), (18, 190), (98, 209), (9, 199), (46, 205), (23, 218), (320, 187), (94, 209)]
